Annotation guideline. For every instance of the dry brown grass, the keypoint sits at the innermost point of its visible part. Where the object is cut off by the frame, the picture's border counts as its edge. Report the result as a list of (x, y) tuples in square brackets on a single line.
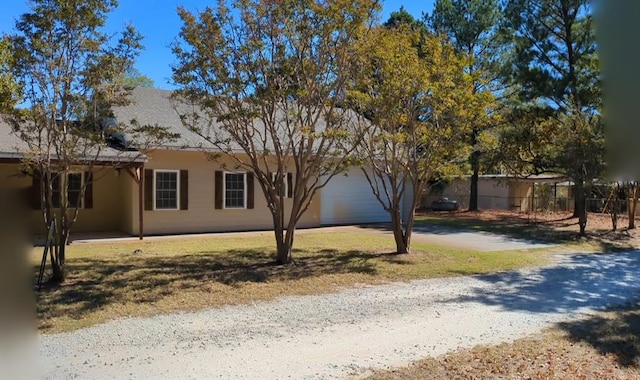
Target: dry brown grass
[(113, 280), (604, 346)]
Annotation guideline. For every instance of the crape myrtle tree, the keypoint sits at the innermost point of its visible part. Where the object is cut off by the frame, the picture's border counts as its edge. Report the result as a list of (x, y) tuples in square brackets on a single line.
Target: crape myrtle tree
[(272, 76), (555, 67), (70, 75), (473, 26), (417, 99)]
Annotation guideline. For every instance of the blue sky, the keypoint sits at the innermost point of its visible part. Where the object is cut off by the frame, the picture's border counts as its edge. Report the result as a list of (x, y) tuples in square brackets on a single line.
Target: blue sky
[(158, 22)]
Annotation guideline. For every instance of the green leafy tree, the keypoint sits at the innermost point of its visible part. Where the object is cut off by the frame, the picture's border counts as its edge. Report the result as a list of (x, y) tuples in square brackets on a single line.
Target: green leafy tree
[(69, 72), (134, 78), (272, 75), (555, 68), (417, 103), (401, 18), (9, 89), (473, 27)]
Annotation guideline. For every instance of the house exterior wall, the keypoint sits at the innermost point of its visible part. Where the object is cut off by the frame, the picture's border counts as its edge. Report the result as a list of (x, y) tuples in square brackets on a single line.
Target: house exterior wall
[(107, 203), (493, 193), (201, 215), (129, 191), (456, 190), (105, 215), (521, 194)]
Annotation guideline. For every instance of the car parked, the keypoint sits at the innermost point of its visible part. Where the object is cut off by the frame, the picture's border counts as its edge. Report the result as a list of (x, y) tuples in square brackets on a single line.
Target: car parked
[(444, 204)]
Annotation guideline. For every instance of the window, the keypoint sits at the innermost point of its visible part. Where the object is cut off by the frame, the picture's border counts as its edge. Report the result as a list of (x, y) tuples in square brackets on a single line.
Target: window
[(74, 189), (234, 190), (166, 189)]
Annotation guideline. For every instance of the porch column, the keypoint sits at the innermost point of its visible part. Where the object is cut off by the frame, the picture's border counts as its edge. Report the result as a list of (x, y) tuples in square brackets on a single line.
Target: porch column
[(140, 175)]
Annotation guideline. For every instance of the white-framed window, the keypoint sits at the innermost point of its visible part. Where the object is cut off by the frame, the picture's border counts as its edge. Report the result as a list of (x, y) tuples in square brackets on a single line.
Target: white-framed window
[(285, 183), (235, 190), (74, 190), (166, 189)]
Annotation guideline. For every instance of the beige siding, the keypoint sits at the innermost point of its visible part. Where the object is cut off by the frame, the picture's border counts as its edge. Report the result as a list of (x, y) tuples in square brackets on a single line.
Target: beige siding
[(107, 203), (457, 190), (11, 177), (202, 215), (521, 195), (129, 191), (106, 213), (493, 194)]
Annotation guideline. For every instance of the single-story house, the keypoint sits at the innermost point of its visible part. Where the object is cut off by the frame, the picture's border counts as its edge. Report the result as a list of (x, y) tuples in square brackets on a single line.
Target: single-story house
[(176, 188), (508, 192)]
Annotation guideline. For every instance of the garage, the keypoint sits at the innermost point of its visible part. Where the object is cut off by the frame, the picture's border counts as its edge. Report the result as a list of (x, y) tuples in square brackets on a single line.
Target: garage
[(349, 200)]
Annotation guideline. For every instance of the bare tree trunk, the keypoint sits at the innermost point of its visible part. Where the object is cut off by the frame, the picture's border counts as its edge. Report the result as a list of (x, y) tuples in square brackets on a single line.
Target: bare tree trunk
[(473, 195), (576, 202), (475, 165), (631, 206), (581, 209), (58, 253), (284, 255), (399, 234), (614, 214), (283, 250)]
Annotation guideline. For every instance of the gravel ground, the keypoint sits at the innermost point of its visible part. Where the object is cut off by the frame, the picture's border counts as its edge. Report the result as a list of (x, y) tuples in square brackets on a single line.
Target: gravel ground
[(343, 334)]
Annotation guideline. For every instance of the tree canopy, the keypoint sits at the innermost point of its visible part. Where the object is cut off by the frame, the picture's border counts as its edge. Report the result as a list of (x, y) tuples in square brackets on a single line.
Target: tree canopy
[(555, 123), (69, 72), (473, 28), (418, 103), (10, 93), (273, 75)]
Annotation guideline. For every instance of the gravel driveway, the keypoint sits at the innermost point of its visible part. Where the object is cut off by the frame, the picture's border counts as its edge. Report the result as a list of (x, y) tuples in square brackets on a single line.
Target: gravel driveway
[(476, 240), (342, 334)]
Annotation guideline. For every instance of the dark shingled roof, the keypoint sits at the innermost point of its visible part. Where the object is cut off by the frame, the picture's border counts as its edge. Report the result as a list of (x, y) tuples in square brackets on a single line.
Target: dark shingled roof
[(12, 147), (151, 106)]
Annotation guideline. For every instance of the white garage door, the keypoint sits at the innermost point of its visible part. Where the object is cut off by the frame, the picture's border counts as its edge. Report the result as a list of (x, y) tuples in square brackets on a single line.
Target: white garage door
[(349, 200)]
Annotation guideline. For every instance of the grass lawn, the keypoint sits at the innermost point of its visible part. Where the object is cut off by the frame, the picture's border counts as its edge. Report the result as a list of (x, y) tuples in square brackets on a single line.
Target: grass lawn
[(603, 346), (113, 280)]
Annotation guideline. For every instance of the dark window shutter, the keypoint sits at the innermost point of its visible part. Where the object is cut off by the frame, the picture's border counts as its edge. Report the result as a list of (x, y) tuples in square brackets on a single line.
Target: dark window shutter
[(289, 185), (88, 190), (36, 192), (218, 189), (184, 189), (250, 203), (148, 189)]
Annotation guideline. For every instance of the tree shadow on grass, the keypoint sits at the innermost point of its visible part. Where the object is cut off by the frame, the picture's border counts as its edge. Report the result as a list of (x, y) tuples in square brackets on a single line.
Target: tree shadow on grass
[(95, 283), (614, 333)]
